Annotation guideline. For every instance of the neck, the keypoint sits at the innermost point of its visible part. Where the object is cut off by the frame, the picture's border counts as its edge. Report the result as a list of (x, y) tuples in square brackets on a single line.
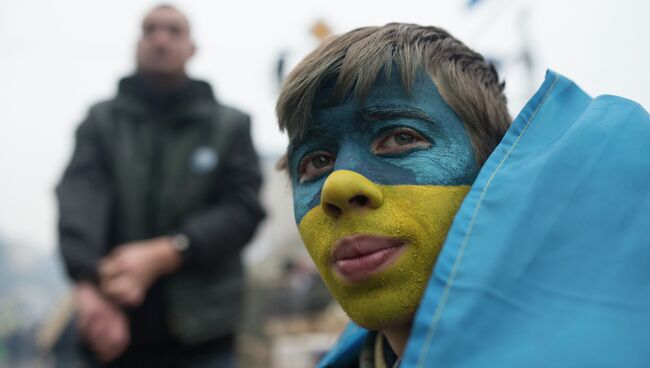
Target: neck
[(164, 82), (397, 336)]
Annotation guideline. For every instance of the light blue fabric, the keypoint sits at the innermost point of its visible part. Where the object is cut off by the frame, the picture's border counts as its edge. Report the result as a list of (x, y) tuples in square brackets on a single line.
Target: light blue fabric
[(346, 351), (547, 263)]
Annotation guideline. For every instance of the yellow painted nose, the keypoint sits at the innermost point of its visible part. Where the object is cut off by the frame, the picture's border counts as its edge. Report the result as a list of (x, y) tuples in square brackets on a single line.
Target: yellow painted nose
[(346, 190)]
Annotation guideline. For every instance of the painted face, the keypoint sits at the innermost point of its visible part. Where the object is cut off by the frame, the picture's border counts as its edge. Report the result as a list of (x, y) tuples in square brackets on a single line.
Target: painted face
[(375, 190)]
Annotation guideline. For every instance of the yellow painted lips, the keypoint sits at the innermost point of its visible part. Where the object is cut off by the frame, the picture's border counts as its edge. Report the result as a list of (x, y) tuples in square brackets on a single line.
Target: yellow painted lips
[(398, 228)]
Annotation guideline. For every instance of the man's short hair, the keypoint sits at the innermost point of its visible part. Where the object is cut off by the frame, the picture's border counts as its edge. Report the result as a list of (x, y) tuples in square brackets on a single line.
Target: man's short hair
[(351, 63)]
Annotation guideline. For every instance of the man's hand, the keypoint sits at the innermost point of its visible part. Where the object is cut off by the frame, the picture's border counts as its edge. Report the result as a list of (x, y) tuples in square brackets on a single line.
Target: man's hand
[(129, 270), (102, 325)]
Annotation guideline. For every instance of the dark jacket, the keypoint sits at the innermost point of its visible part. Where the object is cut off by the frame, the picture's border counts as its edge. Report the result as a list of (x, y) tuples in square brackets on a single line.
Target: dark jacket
[(150, 163)]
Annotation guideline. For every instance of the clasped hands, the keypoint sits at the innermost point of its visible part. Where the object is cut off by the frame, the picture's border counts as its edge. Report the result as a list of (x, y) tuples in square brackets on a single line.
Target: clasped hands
[(128, 271), (125, 275)]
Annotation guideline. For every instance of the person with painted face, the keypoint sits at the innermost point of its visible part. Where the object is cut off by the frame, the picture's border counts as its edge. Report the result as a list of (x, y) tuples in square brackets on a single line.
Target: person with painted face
[(396, 132), (156, 205)]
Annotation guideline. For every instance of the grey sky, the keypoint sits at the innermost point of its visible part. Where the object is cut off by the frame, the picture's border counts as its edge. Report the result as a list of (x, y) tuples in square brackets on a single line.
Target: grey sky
[(58, 57)]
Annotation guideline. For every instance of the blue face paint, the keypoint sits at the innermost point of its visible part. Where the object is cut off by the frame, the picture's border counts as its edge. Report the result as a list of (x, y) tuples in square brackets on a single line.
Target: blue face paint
[(349, 132)]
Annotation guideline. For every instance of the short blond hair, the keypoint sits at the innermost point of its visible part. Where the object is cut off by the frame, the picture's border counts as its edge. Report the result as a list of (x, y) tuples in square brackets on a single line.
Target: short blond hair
[(352, 62)]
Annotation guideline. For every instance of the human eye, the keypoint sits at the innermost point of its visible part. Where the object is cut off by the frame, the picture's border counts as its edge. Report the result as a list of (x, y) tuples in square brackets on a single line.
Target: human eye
[(149, 29), (314, 165), (174, 30), (399, 140)]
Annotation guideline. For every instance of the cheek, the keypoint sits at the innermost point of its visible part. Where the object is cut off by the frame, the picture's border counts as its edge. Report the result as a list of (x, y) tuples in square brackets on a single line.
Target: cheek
[(317, 232), (445, 166), (305, 198)]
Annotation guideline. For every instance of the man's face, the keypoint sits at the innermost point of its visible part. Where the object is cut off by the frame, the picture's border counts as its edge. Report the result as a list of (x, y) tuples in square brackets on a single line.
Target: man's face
[(165, 45), (375, 190)]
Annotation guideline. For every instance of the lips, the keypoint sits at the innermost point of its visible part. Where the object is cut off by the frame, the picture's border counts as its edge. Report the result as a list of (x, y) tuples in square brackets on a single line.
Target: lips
[(359, 257)]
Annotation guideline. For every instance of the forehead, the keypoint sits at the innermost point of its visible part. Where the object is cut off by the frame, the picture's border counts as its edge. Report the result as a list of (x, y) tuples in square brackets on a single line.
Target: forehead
[(166, 16), (385, 99)]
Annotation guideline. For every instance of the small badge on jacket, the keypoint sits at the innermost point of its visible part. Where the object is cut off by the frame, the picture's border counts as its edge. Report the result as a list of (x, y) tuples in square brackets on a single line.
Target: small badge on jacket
[(204, 159)]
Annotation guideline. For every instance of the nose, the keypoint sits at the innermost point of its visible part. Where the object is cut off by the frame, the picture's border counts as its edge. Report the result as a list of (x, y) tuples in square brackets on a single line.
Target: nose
[(345, 191)]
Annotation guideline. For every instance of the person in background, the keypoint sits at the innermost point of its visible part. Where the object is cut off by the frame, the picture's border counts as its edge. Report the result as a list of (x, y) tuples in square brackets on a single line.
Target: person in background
[(155, 206)]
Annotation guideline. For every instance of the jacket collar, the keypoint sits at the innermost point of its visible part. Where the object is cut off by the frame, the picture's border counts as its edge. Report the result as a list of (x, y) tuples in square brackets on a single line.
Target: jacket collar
[(137, 95)]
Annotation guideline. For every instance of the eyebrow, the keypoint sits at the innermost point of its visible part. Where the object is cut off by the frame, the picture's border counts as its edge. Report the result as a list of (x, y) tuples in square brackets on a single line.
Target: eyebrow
[(386, 112), (372, 113), (311, 133)]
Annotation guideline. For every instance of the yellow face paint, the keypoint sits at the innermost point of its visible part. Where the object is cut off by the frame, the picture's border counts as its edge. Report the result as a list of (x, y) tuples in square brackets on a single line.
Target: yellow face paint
[(419, 215)]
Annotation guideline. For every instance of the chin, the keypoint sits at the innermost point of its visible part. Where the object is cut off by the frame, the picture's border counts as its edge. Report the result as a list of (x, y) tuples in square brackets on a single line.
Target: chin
[(381, 309), (380, 322)]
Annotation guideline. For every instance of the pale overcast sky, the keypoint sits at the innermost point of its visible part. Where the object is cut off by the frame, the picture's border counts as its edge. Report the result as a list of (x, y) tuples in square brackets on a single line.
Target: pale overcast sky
[(58, 57)]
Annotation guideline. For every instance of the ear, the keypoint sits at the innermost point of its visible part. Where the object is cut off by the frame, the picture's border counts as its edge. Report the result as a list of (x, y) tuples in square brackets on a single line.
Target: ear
[(283, 163), (192, 49), (138, 50)]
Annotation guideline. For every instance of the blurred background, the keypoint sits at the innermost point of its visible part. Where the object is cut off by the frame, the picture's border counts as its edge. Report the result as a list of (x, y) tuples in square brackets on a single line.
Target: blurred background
[(57, 58)]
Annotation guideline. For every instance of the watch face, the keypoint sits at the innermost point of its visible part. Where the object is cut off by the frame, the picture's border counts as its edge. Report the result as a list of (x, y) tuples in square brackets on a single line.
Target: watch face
[(181, 242), (204, 159)]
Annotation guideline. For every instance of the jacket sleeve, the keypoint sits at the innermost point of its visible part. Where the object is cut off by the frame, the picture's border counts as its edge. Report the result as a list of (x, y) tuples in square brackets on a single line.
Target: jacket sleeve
[(84, 203), (226, 227)]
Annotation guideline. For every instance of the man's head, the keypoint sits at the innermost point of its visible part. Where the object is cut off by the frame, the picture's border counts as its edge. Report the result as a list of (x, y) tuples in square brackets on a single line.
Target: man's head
[(388, 127), (165, 45)]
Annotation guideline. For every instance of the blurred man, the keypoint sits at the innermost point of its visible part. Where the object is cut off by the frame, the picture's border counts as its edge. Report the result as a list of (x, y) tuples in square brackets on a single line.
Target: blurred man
[(156, 204)]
